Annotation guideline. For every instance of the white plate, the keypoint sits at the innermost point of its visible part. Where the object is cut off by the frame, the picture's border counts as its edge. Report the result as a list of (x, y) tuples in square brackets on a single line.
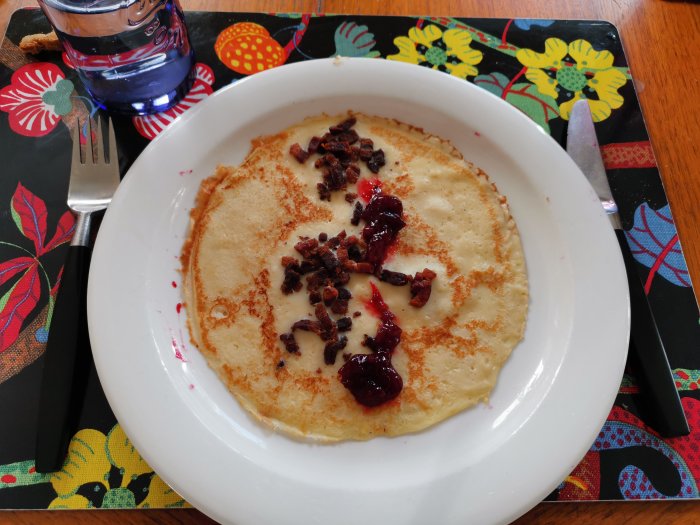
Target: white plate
[(486, 465)]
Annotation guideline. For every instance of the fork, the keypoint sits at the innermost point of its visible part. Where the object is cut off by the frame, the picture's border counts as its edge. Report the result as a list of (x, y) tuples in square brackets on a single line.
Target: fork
[(92, 184)]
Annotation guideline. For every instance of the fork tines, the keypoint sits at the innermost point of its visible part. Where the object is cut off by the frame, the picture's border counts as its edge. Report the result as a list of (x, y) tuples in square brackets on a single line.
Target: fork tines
[(99, 155)]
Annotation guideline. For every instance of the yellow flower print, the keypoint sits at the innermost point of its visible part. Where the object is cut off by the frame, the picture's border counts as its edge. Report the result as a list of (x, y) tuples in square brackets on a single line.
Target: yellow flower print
[(108, 472), (447, 51), (574, 72)]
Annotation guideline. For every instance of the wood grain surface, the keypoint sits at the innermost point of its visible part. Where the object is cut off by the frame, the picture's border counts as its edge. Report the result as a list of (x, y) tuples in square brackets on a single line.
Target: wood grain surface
[(661, 40)]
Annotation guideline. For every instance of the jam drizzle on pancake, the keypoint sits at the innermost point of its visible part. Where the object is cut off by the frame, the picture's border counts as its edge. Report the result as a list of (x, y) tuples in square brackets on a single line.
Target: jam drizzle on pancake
[(371, 378)]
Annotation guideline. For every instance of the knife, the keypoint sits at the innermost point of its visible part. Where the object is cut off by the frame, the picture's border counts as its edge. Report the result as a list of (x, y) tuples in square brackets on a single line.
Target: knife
[(647, 349)]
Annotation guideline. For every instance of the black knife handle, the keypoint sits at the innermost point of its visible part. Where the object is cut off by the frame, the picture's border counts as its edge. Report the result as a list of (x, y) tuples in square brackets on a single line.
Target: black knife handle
[(57, 385), (654, 368)]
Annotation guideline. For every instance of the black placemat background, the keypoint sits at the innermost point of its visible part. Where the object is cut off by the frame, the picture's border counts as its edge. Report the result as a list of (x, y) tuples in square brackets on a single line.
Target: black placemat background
[(628, 461)]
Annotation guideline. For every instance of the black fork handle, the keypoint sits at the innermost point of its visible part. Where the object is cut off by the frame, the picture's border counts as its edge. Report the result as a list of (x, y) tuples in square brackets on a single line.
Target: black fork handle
[(67, 334)]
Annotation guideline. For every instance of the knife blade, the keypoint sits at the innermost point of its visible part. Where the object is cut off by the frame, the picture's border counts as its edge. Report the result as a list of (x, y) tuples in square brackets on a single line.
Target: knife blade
[(647, 349)]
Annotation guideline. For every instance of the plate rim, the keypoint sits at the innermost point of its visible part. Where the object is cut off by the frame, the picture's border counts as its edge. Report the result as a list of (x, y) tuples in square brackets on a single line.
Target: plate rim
[(96, 288)]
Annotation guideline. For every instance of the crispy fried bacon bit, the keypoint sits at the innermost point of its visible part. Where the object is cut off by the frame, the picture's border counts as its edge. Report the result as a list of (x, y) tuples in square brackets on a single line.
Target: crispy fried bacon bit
[(355, 253), (294, 270), (343, 126), (317, 280), (334, 174), (292, 275), (340, 150), (314, 143), (349, 240), (395, 278), (323, 192), (366, 149), (344, 294), (344, 324), (350, 197), (290, 343), (286, 260), (298, 153), (350, 266), (307, 247), (339, 307), (315, 297), (342, 254), (330, 160), (342, 279), (344, 259), (352, 174), (307, 325), (376, 161), (330, 294), (328, 328), (292, 280), (356, 214), (336, 146), (364, 267), (350, 136), (332, 348), (334, 242), (308, 266), (421, 287), (328, 258)]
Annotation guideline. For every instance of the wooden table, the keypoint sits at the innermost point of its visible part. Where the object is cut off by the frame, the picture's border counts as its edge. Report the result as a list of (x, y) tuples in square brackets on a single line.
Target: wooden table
[(661, 38)]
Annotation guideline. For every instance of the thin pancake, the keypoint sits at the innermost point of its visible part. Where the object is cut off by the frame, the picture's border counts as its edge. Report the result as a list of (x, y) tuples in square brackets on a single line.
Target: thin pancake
[(452, 349)]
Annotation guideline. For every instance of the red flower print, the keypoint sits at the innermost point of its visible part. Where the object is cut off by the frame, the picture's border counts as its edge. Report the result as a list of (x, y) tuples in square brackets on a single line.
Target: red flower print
[(150, 126), (29, 213), (18, 303), (25, 273), (36, 98)]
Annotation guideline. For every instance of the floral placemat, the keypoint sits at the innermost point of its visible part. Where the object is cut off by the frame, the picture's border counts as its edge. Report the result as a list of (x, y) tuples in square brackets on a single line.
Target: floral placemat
[(539, 66)]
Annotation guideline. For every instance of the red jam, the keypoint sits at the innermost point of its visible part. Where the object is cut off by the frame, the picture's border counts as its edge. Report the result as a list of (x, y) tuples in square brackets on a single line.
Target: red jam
[(368, 187), (376, 305), (371, 378), (383, 217)]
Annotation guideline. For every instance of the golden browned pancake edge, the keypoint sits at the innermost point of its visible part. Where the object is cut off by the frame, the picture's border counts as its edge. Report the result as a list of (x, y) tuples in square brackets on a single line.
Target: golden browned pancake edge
[(248, 217)]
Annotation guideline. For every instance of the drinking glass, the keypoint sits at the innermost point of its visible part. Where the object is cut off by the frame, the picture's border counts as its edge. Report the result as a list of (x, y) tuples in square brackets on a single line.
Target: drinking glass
[(133, 56)]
